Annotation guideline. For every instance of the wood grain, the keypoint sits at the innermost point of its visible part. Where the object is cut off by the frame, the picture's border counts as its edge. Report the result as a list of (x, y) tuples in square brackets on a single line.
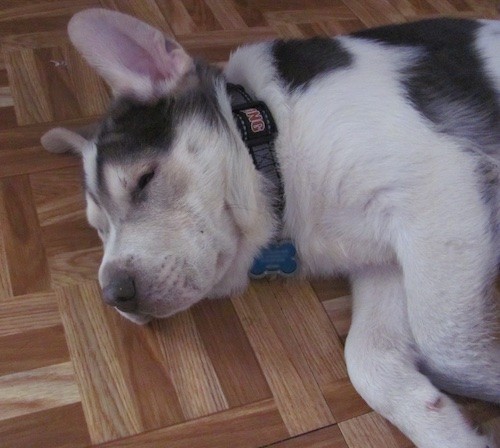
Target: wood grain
[(35, 390), (285, 367), (61, 427), (21, 234), (257, 424), (262, 369), (371, 430), (25, 313)]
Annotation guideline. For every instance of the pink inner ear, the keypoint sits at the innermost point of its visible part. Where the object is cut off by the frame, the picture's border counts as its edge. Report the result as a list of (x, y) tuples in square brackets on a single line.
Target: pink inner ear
[(132, 56), (128, 53)]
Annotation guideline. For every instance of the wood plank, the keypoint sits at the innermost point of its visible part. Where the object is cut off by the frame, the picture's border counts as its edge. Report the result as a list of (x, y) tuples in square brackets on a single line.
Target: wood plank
[(26, 313), (5, 286), (235, 364), (125, 389), (345, 403), (61, 427), (33, 24), (33, 349), (7, 118), (190, 368), (329, 437), (339, 311), (372, 431), (53, 83), (254, 425), (177, 16), (145, 10), (331, 288), (28, 87), (70, 236), (28, 136), (25, 254), (15, 162), (74, 267), (226, 14), (58, 195), (36, 390), (312, 329), (375, 12), (294, 387), (39, 10), (6, 99)]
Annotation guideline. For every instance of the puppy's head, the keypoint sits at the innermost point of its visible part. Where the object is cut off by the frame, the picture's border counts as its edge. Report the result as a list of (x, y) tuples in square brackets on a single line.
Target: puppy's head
[(170, 186)]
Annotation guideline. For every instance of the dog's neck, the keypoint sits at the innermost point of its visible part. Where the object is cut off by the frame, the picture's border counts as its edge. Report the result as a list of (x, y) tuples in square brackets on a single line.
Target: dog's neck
[(258, 131)]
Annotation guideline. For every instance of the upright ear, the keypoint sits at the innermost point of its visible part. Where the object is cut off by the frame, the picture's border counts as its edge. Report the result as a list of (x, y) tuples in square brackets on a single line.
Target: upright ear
[(133, 57), (63, 140)]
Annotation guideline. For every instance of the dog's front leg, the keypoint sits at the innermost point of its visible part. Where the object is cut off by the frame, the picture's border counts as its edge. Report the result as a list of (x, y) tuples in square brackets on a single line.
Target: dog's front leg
[(382, 362)]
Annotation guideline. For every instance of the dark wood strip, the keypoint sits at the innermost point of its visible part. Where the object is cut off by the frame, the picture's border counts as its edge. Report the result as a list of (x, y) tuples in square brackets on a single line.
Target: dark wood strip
[(14, 162), (33, 349), (28, 268), (62, 427)]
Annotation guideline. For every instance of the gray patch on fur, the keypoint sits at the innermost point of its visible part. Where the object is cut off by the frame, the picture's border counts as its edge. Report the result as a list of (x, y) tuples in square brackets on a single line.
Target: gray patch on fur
[(448, 85), (300, 61), (133, 129)]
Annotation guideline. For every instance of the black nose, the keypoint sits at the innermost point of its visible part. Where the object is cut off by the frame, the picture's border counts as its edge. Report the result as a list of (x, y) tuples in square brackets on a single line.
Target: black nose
[(120, 292)]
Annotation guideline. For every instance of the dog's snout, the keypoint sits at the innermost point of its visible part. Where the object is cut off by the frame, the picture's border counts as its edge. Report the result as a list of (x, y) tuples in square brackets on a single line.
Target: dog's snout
[(120, 292)]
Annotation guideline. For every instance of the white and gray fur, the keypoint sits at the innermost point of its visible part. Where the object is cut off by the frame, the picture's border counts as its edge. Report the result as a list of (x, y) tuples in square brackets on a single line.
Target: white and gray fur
[(389, 148)]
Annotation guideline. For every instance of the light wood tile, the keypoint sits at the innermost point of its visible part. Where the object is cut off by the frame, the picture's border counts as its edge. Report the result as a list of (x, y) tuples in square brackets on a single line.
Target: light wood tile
[(237, 368), (110, 400), (289, 377), (25, 313), (257, 424), (36, 390), (5, 286), (372, 431), (190, 368)]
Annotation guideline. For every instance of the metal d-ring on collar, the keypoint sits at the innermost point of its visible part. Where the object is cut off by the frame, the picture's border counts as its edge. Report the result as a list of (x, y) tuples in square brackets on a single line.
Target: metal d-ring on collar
[(258, 130)]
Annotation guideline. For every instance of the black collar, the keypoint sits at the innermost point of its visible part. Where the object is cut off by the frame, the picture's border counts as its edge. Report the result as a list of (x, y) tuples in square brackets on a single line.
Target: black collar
[(258, 130)]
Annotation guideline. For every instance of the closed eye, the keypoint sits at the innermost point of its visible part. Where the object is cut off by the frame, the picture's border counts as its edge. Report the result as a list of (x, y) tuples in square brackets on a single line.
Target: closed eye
[(144, 180)]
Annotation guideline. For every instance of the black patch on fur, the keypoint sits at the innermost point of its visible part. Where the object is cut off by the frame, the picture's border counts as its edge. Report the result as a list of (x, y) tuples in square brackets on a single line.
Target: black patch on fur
[(132, 126), (133, 129), (448, 84), (300, 61)]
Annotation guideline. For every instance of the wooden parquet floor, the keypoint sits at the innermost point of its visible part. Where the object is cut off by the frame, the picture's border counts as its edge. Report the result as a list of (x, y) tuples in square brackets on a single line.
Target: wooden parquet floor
[(264, 369)]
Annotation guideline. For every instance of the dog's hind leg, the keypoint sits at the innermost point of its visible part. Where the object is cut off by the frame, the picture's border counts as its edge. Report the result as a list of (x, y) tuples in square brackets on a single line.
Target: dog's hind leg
[(448, 255), (382, 362)]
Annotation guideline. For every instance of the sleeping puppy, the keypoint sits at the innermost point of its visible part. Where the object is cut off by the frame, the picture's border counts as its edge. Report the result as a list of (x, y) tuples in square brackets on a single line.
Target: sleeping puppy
[(385, 149)]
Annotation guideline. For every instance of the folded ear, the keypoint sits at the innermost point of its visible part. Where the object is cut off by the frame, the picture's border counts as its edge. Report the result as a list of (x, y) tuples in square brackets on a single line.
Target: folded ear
[(133, 57), (63, 140)]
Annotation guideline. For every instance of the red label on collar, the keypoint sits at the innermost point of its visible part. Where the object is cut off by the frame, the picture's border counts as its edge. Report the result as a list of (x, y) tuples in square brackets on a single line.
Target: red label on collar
[(257, 123)]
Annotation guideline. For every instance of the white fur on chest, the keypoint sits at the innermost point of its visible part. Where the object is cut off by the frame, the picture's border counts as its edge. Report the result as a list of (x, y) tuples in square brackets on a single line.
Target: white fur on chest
[(350, 148)]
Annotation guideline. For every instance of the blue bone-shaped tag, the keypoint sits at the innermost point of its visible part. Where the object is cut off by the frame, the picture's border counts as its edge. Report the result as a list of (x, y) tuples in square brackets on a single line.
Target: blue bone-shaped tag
[(275, 259)]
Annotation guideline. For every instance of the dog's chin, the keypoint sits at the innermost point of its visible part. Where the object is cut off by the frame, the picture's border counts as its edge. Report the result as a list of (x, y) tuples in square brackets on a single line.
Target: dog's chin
[(138, 319)]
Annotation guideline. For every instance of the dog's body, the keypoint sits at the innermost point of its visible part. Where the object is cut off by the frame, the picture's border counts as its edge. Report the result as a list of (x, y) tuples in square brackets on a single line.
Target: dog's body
[(389, 151)]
